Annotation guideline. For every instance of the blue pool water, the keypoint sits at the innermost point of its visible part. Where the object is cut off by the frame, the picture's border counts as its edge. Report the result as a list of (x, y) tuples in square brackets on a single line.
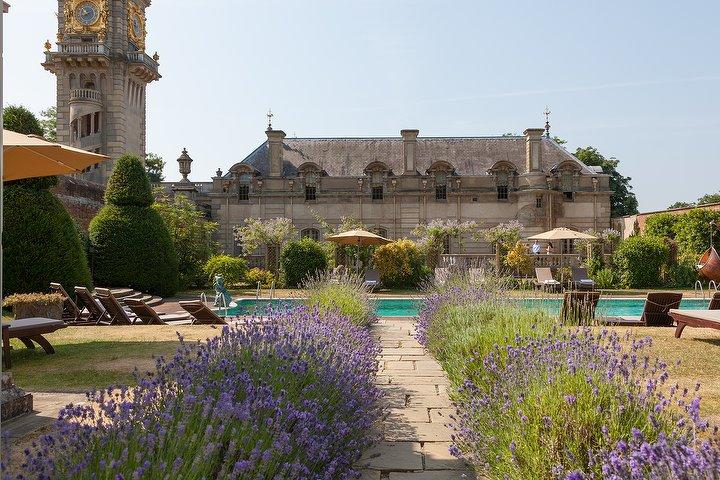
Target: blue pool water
[(407, 307)]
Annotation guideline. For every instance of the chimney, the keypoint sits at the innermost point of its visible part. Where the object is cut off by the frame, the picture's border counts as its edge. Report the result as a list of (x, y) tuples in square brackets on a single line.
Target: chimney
[(275, 145), (409, 150), (533, 150)]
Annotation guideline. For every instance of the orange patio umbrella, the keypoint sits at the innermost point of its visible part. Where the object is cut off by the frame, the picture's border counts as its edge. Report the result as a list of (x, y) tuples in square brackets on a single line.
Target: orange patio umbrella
[(27, 156)]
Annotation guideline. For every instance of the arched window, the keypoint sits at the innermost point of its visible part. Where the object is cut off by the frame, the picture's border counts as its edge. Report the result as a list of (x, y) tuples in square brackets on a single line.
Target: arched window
[(313, 233), (440, 171), (566, 174)]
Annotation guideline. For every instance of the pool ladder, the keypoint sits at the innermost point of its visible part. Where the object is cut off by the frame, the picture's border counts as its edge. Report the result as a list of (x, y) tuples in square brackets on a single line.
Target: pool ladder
[(221, 298), (699, 286)]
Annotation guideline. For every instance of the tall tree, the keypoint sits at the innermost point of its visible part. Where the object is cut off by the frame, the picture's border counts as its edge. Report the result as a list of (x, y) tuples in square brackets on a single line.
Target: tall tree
[(48, 123), (21, 120), (622, 201), (709, 198), (154, 165)]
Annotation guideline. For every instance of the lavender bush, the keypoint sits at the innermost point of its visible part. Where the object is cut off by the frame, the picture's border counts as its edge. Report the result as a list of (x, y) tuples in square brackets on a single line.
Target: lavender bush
[(579, 405), (290, 398)]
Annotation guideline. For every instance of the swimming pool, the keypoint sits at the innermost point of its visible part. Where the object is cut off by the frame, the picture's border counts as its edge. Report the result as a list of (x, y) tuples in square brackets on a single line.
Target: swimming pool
[(408, 307)]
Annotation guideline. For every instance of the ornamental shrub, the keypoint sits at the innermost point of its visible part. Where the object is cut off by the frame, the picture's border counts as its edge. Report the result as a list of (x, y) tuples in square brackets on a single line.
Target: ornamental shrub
[(661, 225), (40, 240), (233, 269), (293, 398), (638, 261), (519, 260), (343, 293), (605, 278), (301, 259), (191, 234), (131, 243), (400, 264), (255, 275)]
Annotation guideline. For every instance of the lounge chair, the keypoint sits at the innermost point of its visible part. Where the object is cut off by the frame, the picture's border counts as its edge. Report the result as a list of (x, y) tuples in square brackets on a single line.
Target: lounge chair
[(655, 312), (372, 279), (97, 313), (71, 312), (544, 279), (581, 279), (201, 313), (29, 330), (578, 307), (695, 318), (715, 302), (118, 315), (148, 316)]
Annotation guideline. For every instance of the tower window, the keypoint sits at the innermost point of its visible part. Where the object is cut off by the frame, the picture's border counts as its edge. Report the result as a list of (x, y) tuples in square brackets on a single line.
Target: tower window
[(310, 192), (243, 192), (440, 192), (538, 202), (502, 192), (377, 193)]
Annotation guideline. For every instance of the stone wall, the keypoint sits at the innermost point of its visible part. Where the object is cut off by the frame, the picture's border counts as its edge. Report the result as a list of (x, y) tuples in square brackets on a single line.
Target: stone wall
[(81, 198)]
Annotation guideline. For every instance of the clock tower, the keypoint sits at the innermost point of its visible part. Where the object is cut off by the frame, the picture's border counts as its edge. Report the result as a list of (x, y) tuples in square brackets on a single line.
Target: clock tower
[(102, 72)]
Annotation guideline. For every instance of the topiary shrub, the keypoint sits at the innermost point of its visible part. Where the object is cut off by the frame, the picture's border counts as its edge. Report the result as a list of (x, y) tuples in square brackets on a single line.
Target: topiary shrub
[(400, 264), (638, 261), (301, 259), (232, 269), (41, 243), (255, 275), (131, 243)]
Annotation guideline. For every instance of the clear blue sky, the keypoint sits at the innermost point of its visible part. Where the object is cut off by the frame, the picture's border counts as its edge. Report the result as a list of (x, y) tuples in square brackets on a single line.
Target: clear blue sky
[(639, 80)]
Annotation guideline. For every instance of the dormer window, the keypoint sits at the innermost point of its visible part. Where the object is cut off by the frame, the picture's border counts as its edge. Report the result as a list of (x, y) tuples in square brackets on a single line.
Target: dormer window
[(441, 192), (310, 193), (504, 174), (243, 192), (440, 171), (377, 192)]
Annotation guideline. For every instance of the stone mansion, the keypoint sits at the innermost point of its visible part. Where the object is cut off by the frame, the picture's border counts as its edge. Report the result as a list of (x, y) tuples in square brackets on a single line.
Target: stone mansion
[(392, 184)]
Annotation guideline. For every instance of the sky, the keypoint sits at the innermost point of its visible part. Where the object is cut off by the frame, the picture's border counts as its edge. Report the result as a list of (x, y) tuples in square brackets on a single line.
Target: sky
[(637, 80)]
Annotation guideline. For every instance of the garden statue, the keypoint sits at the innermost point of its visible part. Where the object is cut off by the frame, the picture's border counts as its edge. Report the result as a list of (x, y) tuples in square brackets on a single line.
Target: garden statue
[(222, 296)]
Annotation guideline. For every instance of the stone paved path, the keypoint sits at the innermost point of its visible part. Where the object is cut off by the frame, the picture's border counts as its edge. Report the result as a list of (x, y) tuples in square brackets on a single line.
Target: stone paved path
[(415, 439)]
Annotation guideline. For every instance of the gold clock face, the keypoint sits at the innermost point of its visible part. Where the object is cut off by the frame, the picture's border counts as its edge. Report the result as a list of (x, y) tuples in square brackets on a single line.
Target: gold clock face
[(137, 26), (87, 13)]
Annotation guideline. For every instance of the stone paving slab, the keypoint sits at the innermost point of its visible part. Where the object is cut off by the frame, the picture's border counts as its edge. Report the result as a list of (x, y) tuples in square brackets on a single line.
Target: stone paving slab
[(46, 407), (400, 431), (441, 415), (437, 457), (408, 414), (393, 456), (432, 475)]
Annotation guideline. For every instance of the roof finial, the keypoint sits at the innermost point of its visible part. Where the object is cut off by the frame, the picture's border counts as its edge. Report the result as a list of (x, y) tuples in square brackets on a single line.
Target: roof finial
[(270, 115), (547, 121)]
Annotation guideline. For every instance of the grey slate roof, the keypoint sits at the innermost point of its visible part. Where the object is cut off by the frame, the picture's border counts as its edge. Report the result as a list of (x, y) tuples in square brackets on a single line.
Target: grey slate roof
[(349, 156)]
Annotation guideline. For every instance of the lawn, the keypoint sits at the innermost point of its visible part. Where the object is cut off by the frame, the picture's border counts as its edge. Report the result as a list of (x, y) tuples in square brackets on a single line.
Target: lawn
[(95, 357)]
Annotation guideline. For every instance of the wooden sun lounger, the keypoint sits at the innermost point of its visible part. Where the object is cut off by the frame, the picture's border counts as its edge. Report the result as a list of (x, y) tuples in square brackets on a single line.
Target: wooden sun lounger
[(29, 330), (201, 313), (655, 312), (117, 314), (544, 279), (97, 312), (71, 312), (148, 316), (695, 318)]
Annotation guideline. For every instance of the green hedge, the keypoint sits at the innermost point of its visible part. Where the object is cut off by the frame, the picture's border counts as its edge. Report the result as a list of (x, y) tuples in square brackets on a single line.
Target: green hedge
[(301, 259), (131, 243), (232, 269), (639, 261), (40, 240)]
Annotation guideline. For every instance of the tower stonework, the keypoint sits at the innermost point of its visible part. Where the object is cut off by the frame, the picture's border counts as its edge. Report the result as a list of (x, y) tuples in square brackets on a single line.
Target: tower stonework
[(102, 73)]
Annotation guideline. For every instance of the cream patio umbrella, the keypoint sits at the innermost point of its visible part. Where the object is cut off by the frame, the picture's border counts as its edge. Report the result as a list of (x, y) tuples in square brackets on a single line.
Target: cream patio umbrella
[(358, 238), (27, 156), (562, 233)]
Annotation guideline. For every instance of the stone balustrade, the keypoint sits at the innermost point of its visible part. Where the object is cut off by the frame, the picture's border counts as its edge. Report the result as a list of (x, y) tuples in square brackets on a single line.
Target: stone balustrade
[(85, 95)]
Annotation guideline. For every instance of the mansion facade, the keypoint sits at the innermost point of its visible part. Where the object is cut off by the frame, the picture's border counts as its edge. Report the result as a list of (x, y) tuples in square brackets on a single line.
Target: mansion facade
[(392, 184)]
